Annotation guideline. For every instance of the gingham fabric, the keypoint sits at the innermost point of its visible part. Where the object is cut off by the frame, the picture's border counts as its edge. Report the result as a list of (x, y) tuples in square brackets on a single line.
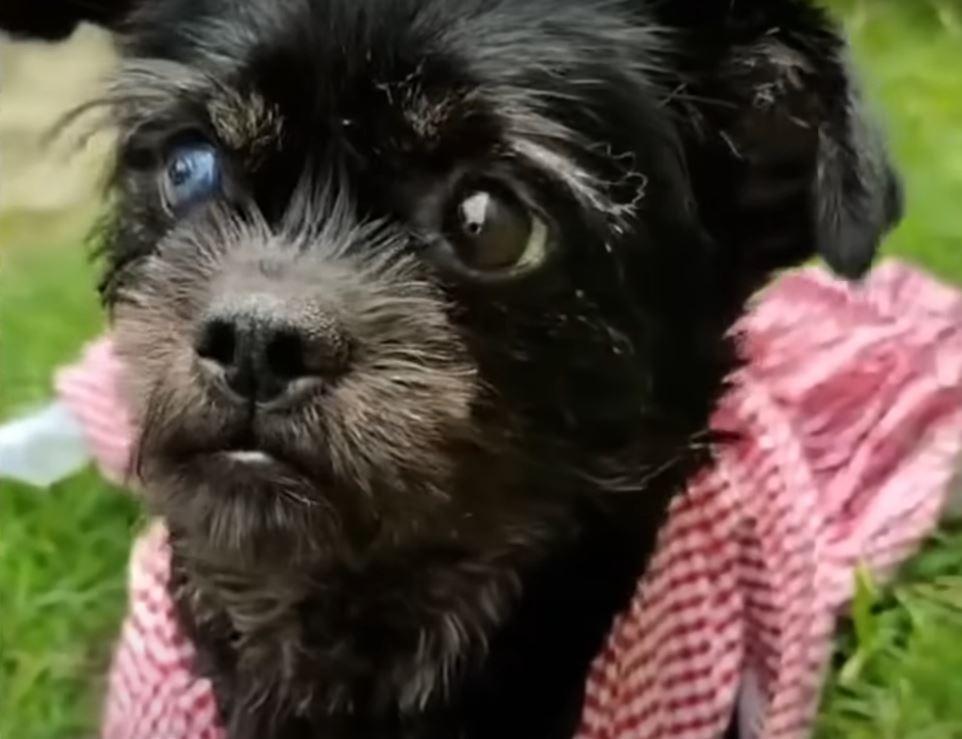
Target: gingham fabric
[(849, 423), (89, 389)]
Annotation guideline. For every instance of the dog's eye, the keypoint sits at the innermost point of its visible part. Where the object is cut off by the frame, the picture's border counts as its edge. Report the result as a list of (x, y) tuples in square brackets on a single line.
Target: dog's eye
[(192, 174), (491, 230)]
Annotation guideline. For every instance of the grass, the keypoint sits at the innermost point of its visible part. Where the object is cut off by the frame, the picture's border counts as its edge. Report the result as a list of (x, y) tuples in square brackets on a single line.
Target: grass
[(898, 668), (912, 50), (899, 660), (898, 665), (62, 552)]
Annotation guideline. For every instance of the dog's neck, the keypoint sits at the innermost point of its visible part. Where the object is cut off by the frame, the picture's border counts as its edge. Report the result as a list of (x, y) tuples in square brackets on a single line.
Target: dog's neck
[(428, 647)]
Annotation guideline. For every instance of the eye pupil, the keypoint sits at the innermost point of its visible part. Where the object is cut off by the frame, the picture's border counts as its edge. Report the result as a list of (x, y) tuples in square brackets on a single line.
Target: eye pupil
[(474, 213), (492, 230), (180, 171)]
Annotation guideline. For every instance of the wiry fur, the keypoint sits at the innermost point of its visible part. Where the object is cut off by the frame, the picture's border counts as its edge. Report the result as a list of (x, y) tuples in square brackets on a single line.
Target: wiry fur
[(458, 519)]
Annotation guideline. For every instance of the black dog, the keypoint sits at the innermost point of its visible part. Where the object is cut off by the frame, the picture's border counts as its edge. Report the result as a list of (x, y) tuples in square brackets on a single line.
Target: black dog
[(426, 306)]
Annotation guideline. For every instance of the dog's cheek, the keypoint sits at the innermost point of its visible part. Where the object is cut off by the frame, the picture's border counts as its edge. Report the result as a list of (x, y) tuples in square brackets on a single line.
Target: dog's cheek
[(152, 328), (155, 359), (411, 393), (407, 424)]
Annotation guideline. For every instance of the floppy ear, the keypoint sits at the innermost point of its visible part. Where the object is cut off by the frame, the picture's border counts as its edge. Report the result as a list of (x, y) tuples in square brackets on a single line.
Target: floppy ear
[(785, 159), (53, 20)]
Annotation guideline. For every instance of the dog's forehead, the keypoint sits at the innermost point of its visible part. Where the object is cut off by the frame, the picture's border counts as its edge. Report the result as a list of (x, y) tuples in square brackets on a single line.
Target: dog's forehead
[(416, 67), (409, 95), (402, 118)]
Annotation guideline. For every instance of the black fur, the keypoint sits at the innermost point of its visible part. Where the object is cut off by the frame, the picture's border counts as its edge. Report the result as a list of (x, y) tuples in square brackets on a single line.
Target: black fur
[(459, 517), (56, 20)]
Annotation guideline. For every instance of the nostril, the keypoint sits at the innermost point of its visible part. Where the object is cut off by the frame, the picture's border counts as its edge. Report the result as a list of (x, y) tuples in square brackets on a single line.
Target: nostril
[(217, 342), (291, 354), (284, 354)]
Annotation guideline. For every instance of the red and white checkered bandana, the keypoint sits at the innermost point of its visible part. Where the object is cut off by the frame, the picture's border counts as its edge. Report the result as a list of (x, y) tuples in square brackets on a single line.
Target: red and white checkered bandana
[(849, 420)]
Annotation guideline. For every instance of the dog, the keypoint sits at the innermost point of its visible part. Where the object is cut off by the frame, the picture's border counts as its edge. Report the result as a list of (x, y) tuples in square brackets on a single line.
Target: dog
[(425, 306)]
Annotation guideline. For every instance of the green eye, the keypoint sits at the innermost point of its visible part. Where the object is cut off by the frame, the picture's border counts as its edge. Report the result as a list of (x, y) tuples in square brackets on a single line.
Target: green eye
[(491, 231)]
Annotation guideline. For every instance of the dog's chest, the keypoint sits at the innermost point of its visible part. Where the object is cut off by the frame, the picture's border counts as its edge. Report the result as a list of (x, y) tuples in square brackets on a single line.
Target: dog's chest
[(283, 667)]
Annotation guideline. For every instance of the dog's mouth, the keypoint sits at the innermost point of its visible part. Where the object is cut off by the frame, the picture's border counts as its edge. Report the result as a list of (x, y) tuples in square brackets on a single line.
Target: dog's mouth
[(248, 454), (253, 460)]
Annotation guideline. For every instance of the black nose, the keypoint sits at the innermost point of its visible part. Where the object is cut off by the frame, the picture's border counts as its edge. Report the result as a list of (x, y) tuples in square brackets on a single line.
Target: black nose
[(264, 357)]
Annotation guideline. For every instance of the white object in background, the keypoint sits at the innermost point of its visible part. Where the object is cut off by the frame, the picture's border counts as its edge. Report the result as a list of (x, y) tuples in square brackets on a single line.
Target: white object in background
[(43, 447)]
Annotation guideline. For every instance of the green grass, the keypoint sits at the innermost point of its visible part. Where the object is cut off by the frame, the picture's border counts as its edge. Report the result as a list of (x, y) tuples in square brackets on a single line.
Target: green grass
[(899, 657), (912, 50), (62, 552)]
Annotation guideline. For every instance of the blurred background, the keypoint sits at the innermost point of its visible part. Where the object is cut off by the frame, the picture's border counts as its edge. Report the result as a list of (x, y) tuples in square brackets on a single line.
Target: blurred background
[(898, 670)]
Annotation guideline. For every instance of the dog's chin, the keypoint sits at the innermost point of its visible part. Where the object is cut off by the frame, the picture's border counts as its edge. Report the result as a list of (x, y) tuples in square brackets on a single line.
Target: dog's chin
[(252, 506), (254, 468)]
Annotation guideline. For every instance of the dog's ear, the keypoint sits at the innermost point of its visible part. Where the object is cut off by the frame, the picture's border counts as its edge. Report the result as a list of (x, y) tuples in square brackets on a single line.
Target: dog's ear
[(53, 20), (785, 159)]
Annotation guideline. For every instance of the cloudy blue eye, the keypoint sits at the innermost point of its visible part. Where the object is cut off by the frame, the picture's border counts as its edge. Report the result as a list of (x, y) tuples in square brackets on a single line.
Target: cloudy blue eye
[(192, 175)]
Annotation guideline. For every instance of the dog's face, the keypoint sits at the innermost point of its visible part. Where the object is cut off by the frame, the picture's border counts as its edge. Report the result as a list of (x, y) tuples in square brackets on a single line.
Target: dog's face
[(424, 275)]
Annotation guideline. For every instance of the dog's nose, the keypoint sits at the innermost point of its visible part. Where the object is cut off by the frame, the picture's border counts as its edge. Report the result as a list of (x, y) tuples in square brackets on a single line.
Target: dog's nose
[(264, 356)]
